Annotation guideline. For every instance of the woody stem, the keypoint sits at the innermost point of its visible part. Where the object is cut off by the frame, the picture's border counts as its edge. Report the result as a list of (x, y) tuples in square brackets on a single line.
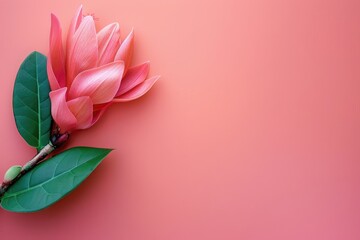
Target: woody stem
[(38, 158)]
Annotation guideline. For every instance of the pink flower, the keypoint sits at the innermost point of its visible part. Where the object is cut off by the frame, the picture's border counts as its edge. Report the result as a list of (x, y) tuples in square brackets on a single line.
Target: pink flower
[(92, 73)]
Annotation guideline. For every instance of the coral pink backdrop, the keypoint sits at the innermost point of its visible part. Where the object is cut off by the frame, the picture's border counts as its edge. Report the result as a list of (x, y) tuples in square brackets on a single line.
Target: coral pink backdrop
[(253, 131)]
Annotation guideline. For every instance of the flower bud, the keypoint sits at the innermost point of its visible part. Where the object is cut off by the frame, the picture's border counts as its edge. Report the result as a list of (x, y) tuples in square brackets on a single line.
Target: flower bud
[(12, 173), (94, 73)]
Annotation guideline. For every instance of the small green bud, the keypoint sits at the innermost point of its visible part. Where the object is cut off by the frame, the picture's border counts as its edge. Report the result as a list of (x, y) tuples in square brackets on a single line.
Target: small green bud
[(12, 173)]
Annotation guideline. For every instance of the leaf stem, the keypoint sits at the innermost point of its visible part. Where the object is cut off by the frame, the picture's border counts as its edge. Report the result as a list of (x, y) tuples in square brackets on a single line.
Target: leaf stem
[(56, 141)]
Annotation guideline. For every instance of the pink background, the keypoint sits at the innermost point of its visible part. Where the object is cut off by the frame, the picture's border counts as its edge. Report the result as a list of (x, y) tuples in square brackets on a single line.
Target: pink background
[(253, 131)]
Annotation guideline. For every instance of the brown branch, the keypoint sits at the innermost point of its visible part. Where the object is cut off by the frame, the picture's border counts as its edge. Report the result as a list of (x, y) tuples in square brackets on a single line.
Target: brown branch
[(55, 142)]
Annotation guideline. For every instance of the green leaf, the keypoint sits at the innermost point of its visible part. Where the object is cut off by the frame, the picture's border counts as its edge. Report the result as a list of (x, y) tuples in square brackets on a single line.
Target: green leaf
[(31, 103), (53, 179)]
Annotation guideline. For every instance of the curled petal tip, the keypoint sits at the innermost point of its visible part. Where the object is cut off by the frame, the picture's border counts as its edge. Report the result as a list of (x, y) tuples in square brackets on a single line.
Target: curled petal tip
[(83, 49), (54, 21), (108, 43), (135, 76), (156, 78), (56, 54), (79, 10), (125, 51), (137, 91), (78, 16), (75, 23)]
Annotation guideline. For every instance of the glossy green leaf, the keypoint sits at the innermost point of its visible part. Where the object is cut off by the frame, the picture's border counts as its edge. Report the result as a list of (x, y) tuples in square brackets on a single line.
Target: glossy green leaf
[(53, 179), (31, 103)]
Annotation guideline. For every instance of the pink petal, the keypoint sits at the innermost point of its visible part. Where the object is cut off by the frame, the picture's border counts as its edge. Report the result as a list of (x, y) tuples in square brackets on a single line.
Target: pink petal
[(125, 51), (54, 84), (56, 55), (60, 110), (137, 91), (134, 77), (82, 108), (108, 41), (75, 23), (84, 51), (100, 84)]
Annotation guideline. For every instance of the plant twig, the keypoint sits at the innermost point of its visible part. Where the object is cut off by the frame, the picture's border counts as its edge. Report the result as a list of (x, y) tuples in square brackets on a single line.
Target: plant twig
[(55, 142)]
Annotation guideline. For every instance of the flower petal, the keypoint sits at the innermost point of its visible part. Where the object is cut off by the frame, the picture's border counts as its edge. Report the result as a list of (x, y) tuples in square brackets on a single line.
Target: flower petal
[(100, 84), (60, 110), (54, 84), (84, 51), (75, 23), (137, 91), (108, 41), (134, 77), (56, 54), (125, 51), (82, 108)]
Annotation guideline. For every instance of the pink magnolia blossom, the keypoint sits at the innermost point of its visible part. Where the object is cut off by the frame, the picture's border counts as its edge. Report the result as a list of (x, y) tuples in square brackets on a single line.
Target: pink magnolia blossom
[(92, 73)]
